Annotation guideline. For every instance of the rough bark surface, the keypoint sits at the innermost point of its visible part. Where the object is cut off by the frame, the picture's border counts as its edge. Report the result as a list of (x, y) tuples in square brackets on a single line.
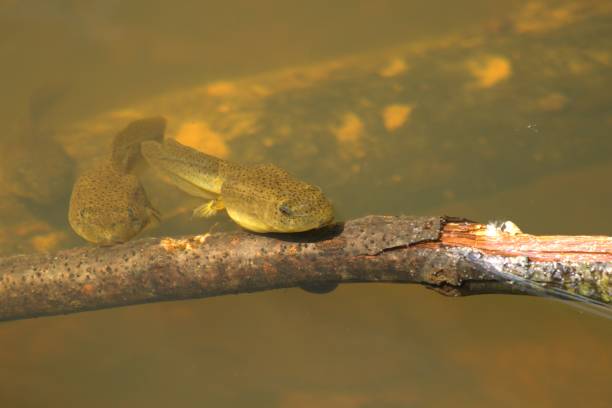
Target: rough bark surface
[(371, 249)]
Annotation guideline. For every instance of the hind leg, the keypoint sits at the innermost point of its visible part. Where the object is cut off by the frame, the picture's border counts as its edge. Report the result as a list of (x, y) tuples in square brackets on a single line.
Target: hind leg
[(209, 208)]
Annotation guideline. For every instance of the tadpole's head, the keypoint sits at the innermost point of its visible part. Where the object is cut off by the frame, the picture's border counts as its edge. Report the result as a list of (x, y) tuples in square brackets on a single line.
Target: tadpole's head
[(266, 198), (105, 213), (301, 208)]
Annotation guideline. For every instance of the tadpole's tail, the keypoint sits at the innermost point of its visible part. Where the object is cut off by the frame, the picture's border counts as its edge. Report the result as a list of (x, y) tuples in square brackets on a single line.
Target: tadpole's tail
[(126, 148), (194, 172)]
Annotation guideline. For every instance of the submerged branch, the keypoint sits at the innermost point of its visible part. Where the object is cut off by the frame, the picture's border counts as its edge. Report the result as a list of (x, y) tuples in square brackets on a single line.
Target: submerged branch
[(453, 256)]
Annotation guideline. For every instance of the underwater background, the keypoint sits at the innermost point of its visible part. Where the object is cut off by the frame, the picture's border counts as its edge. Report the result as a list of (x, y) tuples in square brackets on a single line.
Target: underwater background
[(478, 109)]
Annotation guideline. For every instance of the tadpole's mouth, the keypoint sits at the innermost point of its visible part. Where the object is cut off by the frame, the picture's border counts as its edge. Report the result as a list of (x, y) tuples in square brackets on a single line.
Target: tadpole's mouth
[(313, 216), (303, 215)]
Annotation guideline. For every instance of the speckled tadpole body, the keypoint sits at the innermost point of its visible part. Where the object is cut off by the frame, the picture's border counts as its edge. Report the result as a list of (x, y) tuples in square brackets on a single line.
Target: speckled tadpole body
[(108, 203), (260, 198)]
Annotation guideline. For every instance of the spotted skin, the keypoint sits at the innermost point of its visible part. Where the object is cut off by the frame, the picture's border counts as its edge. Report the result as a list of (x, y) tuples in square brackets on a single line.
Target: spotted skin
[(260, 198), (108, 203)]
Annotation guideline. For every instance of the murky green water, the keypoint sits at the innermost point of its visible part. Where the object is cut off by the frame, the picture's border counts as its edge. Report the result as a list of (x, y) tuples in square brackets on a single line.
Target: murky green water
[(475, 109)]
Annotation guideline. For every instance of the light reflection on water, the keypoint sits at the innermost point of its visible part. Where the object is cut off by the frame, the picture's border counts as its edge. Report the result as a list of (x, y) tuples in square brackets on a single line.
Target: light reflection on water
[(362, 345)]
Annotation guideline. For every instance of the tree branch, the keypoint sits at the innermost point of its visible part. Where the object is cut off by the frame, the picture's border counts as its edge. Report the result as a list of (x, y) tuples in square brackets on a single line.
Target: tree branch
[(455, 257)]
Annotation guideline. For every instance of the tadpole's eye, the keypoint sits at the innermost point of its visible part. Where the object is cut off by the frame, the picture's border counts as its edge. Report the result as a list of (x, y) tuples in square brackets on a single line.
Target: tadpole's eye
[(284, 209), (132, 214)]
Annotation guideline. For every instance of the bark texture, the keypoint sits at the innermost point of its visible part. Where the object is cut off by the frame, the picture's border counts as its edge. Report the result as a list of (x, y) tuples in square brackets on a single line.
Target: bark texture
[(454, 256)]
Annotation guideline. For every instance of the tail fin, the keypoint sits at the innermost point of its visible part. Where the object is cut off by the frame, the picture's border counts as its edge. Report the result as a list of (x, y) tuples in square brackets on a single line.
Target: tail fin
[(193, 172), (126, 153)]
